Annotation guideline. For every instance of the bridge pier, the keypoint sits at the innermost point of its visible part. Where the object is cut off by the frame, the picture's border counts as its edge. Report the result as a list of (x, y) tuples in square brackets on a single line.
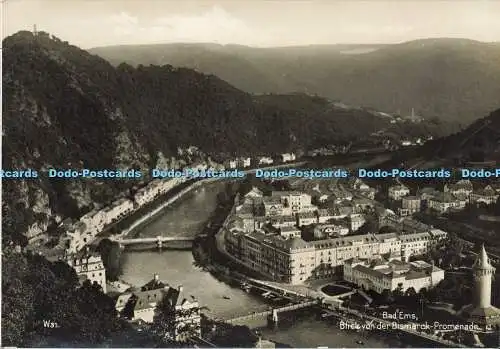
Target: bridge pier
[(272, 319), (159, 242)]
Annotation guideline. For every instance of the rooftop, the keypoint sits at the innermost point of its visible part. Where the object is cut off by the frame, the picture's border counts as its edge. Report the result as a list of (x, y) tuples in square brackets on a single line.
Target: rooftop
[(154, 284), (411, 198), (393, 268), (398, 187), (443, 197)]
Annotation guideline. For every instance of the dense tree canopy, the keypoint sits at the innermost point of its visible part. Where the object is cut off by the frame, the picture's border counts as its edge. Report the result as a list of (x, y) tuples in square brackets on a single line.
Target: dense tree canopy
[(44, 299)]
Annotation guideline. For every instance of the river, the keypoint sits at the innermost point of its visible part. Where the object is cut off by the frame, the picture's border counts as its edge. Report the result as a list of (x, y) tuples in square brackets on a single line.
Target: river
[(187, 217)]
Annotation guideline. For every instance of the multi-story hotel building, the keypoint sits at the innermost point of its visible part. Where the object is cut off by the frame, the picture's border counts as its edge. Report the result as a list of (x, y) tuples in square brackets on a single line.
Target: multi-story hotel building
[(379, 275), (293, 260)]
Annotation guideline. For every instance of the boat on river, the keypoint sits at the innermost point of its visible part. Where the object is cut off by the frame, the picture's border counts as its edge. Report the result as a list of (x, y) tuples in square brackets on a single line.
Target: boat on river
[(246, 287), (267, 294)]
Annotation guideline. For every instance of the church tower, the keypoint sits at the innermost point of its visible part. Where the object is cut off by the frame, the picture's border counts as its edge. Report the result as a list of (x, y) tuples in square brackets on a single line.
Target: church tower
[(483, 273)]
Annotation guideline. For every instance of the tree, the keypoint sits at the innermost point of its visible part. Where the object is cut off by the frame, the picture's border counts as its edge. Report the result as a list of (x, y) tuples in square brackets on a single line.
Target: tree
[(398, 291), (496, 207), (17, 299), (370, 226), (229, 336), (410, 292), (110, 252), (176, 325), (423, 293), (387, 296), (386, 229), (36, 291)]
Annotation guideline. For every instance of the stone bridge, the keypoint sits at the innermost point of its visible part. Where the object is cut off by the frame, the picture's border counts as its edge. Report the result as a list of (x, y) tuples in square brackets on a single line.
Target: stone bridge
[(160, 241)]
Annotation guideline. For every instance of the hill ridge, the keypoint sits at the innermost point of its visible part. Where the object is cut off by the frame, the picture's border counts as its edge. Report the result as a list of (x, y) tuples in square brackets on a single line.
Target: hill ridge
[(454, 79)]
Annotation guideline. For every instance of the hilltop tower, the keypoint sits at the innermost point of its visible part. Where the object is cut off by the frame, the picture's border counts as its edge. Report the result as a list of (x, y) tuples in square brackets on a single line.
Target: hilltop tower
[(481, 311), (35, 32)]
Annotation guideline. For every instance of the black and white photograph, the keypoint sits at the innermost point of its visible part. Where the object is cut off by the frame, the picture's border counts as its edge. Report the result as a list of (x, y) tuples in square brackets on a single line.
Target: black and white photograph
[(250, 174)]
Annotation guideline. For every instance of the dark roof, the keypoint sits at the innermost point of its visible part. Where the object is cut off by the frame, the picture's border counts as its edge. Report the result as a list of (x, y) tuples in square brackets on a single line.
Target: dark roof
[(154, 284), (175, 298), (148, 299), (296, 243)]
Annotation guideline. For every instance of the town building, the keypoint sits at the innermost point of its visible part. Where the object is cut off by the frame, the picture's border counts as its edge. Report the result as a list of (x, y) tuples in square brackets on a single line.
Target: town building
[(327, 214), (265, 160), (76, 238), (415, 244), (294, 201), (411, 204), (307, 218), (254, 192), (284, 260), (396, 192), (443, 202), (486, 195), (387, 217), (273, 206), (357, 184), (368, 193), (356, 221), (326, 231), (289, 232), (481, 311), (88, 266), (184, 314), (94, 221), (463, 187), (232, 164), (317, 194), (362, 204), (379, 274), (244, 162), (142, 304), (426, 194), (287, 157), (118, 210)]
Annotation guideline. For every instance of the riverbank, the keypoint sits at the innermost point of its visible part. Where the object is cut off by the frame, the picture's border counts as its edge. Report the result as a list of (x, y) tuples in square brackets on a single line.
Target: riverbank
[(129, 225)]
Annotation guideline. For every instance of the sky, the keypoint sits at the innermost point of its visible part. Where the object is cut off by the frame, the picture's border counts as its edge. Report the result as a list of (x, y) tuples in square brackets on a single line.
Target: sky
[(259, 23)]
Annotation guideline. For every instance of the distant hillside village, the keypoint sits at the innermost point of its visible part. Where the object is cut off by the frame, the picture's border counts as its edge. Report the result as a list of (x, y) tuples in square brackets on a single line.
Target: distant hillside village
[(315, 233)]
